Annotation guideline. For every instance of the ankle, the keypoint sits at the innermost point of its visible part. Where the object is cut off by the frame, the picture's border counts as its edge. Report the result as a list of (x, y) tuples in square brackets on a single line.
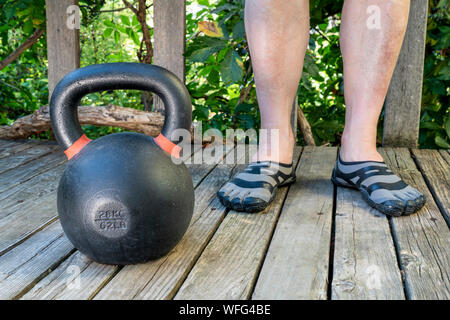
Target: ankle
[(281, 152), (359, 154), (356, 151)]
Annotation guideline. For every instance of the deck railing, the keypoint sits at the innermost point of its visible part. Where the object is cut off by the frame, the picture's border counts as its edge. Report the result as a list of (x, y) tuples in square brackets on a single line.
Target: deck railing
[(403, 101)]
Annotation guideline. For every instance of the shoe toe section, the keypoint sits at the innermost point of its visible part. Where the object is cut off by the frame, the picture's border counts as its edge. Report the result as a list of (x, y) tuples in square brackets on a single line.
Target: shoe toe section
[(392, 207), (253, 204), (415, 204), (224, 199), (236, 204)]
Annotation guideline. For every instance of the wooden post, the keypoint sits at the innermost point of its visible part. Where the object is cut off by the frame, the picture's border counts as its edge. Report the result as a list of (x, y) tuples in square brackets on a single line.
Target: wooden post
[(63, 40), (169, 31), (403, 101)]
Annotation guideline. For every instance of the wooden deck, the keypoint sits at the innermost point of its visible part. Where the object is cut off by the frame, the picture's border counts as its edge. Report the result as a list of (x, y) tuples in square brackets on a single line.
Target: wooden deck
[(314, 242)]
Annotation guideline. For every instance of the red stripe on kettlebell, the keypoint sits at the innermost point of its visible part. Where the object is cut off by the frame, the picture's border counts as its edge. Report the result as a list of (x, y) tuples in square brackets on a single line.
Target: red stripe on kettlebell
[(168, 145), (77, 146)]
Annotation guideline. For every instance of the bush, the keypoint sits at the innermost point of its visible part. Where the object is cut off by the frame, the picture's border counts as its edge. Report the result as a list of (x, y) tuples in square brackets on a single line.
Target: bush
[(219, 77)]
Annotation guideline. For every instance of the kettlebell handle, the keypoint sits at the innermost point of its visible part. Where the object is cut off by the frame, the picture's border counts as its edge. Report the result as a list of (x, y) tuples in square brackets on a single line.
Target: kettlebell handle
[(114, 76)]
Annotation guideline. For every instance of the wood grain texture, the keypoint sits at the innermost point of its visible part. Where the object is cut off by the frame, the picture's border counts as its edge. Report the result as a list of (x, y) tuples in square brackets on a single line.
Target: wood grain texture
[(26, 155), (6, 144), (19, 175), (365, 265), (296, 265), (77, 278), (435, 166), (11, 147), (24, 265), (423, 238), (162, 278), (169, 19), (149, 123), (38, 262), (403, 100), (28, 207), (63, 44), (229, 265)]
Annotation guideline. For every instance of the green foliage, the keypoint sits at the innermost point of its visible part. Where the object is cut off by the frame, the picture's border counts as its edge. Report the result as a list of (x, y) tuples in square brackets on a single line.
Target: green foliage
[(219, 76), (218, 67), (320, 94), (435, 117), (23, 85), (220, 71)]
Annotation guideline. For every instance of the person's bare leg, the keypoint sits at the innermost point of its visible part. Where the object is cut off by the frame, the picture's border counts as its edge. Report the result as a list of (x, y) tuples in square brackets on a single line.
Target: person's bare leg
[(370, 51), (278, 33), (372, 32)]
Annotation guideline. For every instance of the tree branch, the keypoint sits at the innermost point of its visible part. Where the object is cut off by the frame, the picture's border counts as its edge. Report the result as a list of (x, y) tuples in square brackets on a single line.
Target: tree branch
[(149, 123), (142, 18), (305, 127), (130, 6), (24, 46)]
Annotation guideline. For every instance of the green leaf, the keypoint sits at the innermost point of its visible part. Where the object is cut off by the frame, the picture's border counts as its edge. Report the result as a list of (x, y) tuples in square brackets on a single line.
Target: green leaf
[(230, 68), (311, 67), (121, 29), (201, 112), (135, 21), (116, 36), (246, 120), (136, 39), (227, 6), (125, 20), (441, 142), (109, 23), (213, 77), (243, 107), (107, 33), (28, 27), (430, 125), (201, 55), (204, 47), (10, 11)]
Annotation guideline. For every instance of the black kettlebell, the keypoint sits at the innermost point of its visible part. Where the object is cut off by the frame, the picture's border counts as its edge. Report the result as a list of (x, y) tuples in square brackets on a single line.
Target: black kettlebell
[(121, 199)]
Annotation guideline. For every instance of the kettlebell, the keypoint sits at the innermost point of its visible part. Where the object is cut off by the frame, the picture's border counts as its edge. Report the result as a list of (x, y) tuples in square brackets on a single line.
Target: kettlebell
[(121, 199)]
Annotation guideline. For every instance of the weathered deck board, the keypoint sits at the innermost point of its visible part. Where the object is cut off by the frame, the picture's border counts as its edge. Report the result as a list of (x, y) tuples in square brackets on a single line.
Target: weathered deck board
[(64, 286), (365, 265), (296, 265), (223, 252), (9, 148), (6, 144), (28, 207), (435, 167), (229, 265), (77, 278), (22, 266), (161, 279), (26, 155), (19, 175), (423, 239)]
